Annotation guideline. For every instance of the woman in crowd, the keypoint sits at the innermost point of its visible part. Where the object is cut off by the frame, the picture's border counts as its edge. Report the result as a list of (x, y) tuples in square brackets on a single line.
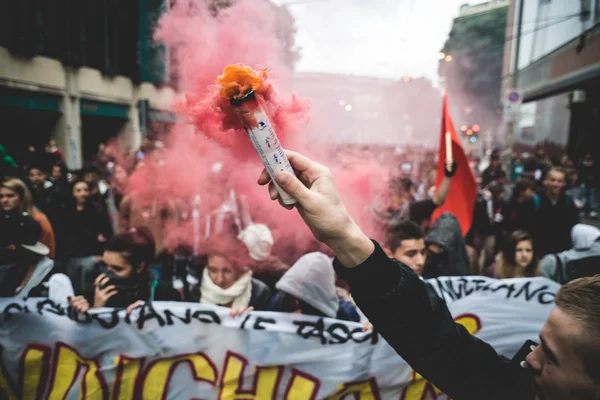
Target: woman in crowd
[(14, 196), (225, 278), (308, 287), (86, 229), (518, 259), (127, 280)]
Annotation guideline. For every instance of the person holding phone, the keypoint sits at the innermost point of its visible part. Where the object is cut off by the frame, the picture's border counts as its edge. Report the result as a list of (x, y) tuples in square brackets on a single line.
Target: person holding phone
[(126, 280)]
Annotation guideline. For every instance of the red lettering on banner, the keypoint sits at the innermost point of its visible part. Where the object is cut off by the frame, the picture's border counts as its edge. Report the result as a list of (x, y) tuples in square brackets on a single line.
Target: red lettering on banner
[(7, 387), (34, 371), (71, 363), (419, 389), (301, 386), (127, 381), (265, 382), (362, 390)]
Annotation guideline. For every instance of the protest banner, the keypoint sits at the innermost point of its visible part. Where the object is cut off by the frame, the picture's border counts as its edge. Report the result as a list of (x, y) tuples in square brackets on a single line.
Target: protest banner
[(192, 351)]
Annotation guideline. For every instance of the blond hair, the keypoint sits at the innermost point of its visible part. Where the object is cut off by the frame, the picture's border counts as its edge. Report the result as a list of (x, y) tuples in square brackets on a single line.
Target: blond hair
[(19, 187), (579, 299)]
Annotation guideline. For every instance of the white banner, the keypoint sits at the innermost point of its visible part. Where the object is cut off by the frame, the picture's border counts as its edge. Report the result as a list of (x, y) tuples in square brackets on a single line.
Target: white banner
[(191, 351)]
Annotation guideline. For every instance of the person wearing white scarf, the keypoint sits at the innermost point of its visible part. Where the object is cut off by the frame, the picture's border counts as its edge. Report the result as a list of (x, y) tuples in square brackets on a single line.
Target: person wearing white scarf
[(237, 295)]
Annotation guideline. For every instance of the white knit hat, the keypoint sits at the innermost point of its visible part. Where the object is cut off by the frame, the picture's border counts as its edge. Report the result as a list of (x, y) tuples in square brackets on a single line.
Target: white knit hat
[(259, 241)]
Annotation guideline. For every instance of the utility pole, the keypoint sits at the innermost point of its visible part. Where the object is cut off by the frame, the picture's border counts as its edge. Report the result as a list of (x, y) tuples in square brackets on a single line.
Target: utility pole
[(512, 124)]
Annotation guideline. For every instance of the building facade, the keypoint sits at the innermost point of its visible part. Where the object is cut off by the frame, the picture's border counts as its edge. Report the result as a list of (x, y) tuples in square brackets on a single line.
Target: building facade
[(366, 110), (81, 72), (558, 69)]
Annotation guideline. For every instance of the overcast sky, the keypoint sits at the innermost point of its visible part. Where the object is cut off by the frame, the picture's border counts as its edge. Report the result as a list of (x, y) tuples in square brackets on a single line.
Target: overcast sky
[(384, 38)]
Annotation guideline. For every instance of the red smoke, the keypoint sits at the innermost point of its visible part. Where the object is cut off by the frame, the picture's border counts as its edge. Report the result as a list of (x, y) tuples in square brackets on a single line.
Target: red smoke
[(184, 169)]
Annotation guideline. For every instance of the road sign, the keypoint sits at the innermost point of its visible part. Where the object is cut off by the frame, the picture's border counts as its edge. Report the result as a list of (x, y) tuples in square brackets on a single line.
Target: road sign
[(513, 98)]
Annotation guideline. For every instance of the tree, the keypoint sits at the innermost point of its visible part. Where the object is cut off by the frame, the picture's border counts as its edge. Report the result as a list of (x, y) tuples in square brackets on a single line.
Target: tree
[(473, 72)]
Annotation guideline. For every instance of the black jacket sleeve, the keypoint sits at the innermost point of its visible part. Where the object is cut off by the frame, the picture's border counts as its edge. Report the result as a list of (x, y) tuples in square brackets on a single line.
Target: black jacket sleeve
[(418, 325)]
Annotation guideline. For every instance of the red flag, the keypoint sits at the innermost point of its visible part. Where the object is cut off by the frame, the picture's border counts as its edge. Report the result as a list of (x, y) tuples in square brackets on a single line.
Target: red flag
[(463, 189)]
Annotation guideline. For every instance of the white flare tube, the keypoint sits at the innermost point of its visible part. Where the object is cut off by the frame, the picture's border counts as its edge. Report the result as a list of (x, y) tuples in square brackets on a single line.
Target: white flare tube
[(265, 141)]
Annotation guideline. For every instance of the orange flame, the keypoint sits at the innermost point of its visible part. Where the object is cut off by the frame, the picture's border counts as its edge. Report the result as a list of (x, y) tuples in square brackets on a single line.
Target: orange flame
[(238, 80)]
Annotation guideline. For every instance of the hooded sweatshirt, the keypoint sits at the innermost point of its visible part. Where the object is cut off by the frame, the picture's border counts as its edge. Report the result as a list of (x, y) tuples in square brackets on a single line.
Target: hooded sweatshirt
[(312, 280), (582, 260), (453, 261)]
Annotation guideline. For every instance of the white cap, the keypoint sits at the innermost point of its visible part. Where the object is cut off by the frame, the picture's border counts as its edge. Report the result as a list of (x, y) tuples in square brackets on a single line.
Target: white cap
[(38, 248), (259, 241)]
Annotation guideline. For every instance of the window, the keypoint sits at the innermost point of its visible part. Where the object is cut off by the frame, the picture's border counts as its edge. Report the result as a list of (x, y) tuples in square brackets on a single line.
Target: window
[(586, 10)]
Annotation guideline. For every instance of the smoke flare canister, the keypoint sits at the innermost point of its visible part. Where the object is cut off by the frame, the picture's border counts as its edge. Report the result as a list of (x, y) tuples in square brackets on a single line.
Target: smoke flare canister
[(263, 137)]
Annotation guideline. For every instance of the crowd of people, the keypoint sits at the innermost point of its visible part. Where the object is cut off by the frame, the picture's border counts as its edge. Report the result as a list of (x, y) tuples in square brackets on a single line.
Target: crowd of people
[(107, 252), (70, 236)]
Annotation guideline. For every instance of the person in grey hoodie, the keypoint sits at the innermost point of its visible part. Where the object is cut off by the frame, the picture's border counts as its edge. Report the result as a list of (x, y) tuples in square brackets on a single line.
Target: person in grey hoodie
[(582, 260), (447, 252), (308, 287)]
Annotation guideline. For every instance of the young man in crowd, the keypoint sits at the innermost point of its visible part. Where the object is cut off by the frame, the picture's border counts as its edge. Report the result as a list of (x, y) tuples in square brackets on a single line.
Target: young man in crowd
[(406, 243), (493, 172), (555, 216), (417, 323)]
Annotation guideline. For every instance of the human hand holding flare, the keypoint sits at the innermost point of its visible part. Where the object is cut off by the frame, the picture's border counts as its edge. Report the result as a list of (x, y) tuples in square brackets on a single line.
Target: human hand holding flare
[(240, 84)]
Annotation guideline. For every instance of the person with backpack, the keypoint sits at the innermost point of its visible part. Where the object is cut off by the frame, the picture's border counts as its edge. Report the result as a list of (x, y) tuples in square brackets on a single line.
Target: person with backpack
[(582, 260)]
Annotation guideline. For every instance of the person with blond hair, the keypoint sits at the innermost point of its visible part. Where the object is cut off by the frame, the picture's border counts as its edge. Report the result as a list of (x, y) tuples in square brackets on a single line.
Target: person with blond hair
[(15, 196)]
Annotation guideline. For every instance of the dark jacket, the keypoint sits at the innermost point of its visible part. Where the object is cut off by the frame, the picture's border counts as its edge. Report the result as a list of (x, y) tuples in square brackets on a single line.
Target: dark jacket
[(553, 224), (521, 216), (80, 232), (417, 324), (453, 261)]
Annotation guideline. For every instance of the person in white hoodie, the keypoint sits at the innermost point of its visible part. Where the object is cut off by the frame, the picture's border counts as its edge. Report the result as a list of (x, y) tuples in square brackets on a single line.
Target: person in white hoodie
[(580, 261), (25, 268), (308, 287)]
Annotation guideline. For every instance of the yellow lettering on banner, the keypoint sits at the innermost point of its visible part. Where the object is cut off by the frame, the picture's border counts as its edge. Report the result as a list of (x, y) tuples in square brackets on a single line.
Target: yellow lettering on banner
[(159, 373), (302, 386), (421, 389), (266, 380), (6, 388), (68, 364), (128, 371), (366, 390), (471, 322), (34, 366)]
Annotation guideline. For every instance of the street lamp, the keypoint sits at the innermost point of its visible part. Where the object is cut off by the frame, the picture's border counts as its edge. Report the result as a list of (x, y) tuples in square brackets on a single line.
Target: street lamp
[(448, 58), (441, 55)]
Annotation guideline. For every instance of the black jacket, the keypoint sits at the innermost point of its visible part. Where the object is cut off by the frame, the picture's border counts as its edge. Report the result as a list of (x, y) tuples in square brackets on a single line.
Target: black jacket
[(418, 325), (521, 216), (80, 232), (553, 224)]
